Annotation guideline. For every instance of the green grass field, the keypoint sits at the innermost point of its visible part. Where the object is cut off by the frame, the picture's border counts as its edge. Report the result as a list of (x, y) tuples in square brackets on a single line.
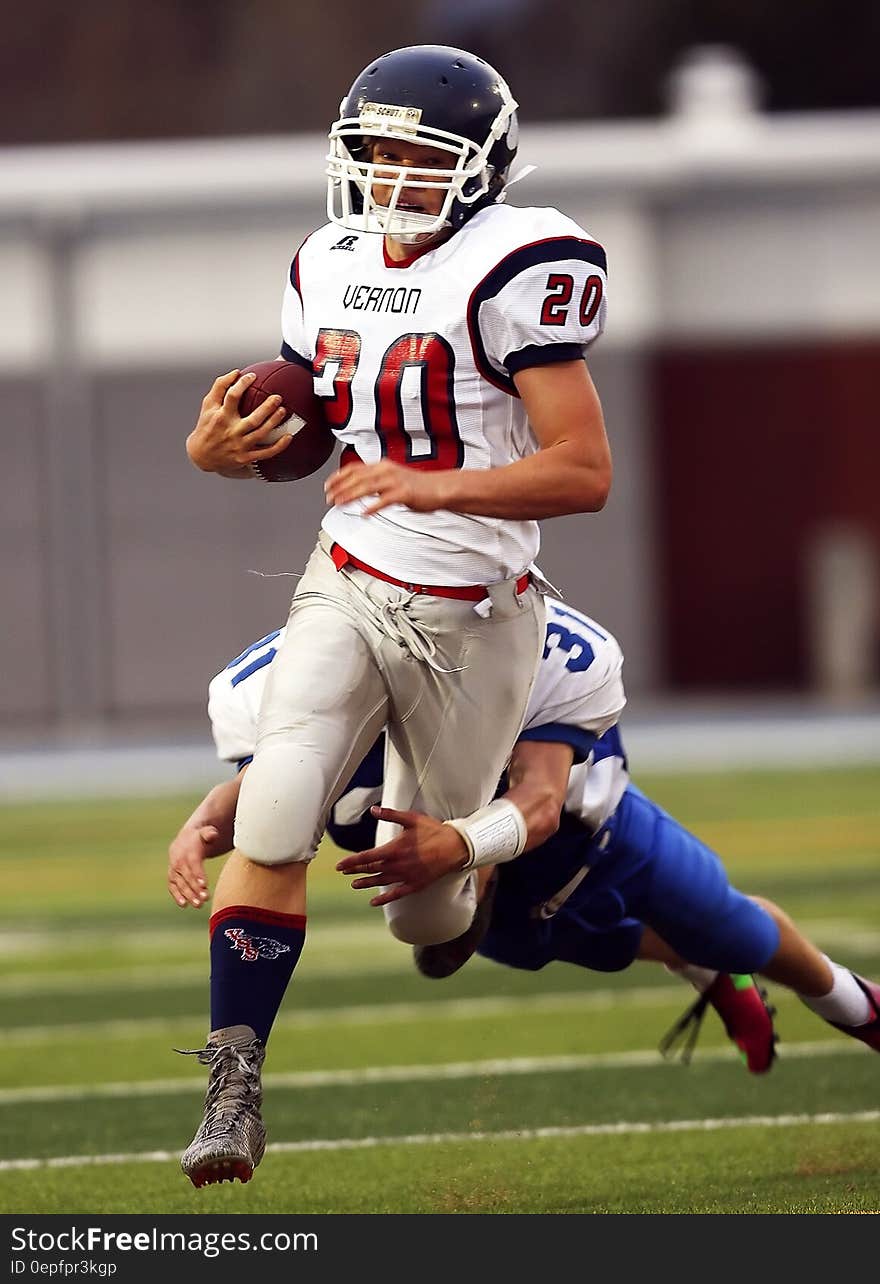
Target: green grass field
[(494, 1091)]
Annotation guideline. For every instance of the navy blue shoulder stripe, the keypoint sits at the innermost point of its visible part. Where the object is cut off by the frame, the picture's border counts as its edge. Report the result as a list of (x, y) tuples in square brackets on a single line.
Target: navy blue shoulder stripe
[(297, 358), (552, 250), (294, 268), (610, 745), (542, 354), (563, 733)]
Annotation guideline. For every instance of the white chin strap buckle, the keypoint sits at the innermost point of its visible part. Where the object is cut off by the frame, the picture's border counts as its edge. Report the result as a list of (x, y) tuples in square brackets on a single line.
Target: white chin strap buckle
[(407, 227)]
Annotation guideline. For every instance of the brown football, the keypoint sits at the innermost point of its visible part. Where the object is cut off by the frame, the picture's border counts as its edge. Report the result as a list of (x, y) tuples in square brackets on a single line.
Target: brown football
[(313, 441)]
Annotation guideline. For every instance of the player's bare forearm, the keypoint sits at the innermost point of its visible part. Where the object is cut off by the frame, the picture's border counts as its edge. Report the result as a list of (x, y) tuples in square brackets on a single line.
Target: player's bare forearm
[(217, 808), (556, 481), (206, 834), (538, 783), (569, 473), (553, 482), (571, 470)]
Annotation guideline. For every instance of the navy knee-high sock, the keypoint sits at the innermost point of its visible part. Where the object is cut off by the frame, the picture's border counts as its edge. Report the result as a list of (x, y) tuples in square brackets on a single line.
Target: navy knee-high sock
[(253, 954)]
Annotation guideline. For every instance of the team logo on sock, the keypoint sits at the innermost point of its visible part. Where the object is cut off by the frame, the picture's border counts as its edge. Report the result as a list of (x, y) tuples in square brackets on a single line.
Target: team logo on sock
[(254, 947)]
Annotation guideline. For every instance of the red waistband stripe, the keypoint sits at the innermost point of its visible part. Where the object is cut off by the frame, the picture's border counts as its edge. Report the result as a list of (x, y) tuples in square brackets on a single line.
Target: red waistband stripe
[(464, 593)]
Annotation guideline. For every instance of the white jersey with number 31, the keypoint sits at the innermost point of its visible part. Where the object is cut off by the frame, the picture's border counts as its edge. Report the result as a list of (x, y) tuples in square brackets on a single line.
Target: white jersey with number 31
[(576, 699), (415, 362)]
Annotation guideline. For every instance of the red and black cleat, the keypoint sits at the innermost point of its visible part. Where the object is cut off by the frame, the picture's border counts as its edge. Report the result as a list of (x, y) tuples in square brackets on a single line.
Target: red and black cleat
[(747, 1017), (869, 1032)]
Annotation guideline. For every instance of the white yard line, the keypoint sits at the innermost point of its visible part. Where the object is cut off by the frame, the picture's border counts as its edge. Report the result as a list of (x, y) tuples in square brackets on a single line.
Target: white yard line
[(326, 944), (46, 984), (852, 939), (842, 934), (333, 951), (370, 1014), (620, 1129), (408, 1074)]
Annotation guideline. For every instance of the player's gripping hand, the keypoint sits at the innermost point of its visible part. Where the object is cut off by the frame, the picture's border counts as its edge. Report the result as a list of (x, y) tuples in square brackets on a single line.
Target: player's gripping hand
[(388, 483), (187, 854), (223, 441), (425, 851)]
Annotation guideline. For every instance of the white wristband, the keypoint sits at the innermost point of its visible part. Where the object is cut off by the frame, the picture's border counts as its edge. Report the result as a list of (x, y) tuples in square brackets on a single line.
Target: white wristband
[(493, 834)]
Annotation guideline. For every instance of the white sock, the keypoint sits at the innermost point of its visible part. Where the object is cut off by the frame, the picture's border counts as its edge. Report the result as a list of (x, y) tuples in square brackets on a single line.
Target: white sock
[(700, 977), (845, 1003)]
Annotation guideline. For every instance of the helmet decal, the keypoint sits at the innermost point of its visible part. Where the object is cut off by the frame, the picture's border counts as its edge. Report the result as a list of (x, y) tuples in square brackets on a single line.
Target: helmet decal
[(378, 116)]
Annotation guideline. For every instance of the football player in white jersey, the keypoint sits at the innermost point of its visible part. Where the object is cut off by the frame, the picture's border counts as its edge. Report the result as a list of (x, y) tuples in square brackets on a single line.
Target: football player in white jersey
[(607, 876), (446, 333)]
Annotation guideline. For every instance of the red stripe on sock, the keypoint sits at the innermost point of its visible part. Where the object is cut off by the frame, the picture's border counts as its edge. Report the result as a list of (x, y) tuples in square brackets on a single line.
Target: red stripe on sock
[(296, 922)]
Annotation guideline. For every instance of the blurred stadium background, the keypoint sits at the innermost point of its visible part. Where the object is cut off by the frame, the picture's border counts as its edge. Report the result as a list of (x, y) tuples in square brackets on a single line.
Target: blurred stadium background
[(739, 551), (158, 168)]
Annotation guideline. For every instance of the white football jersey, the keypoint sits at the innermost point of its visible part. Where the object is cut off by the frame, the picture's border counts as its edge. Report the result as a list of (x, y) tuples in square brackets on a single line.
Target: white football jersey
[(415, 363), (576, 699)]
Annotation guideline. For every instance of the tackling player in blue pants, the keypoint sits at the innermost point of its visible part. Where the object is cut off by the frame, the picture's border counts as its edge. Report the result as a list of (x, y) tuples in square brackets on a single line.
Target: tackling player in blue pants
[(603, 875), (639, 886)]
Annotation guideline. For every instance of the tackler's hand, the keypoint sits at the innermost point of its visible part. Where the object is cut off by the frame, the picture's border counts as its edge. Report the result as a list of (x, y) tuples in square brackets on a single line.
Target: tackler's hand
[(424, 851), (186, 864)]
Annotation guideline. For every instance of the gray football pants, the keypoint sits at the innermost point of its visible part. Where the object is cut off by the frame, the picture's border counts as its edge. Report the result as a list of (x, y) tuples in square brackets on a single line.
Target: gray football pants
[(450, 683)]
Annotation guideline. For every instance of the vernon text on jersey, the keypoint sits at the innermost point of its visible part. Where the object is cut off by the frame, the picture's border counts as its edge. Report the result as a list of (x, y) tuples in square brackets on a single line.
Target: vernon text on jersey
[(376, 298)]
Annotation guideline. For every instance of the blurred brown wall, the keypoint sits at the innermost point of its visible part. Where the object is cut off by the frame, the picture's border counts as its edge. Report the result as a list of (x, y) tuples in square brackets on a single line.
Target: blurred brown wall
[(112, 69), (755, 451)]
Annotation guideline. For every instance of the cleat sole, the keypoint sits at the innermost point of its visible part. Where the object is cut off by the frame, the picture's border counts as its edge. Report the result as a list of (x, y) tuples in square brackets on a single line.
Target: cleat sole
[(216, 1174)]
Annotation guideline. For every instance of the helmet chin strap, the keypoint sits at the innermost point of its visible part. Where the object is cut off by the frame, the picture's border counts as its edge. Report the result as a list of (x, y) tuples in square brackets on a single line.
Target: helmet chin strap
[(521, 172), (417, 238), (413, 236)]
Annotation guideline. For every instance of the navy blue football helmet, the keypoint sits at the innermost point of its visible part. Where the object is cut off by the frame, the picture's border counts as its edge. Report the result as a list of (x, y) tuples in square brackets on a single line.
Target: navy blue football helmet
[(433, 96)]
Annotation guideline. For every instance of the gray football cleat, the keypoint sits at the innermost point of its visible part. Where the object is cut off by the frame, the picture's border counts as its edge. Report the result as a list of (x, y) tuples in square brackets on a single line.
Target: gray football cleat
[(231, 1138)]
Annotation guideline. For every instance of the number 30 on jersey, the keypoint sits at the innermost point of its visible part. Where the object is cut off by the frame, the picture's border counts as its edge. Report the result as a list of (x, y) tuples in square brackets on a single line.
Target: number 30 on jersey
[(432, 356)]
